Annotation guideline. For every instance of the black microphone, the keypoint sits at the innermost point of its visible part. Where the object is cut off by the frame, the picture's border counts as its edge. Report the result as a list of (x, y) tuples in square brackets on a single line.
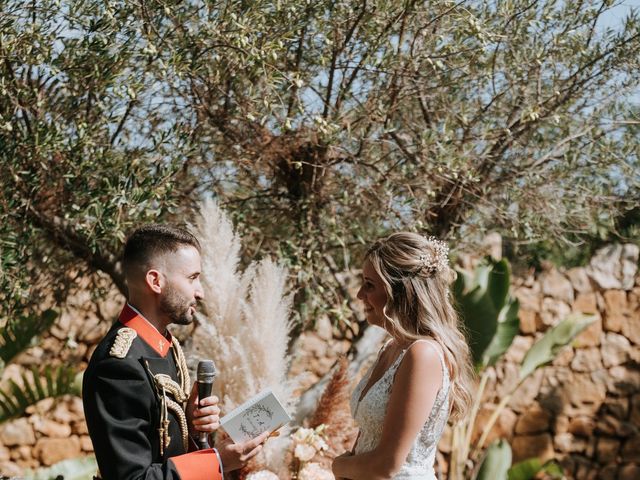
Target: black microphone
[(206, 375)]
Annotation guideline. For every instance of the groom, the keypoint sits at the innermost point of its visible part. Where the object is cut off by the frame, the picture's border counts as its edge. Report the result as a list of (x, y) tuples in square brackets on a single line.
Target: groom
[(141, 410)]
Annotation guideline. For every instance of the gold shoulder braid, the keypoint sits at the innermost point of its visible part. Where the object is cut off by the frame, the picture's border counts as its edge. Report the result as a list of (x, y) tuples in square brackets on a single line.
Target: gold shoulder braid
[(185, 381), (165, 384), (122, 343)]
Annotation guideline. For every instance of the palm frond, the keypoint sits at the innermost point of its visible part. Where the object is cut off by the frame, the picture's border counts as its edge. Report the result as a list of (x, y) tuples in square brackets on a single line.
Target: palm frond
[(36, 385), (18, 333)]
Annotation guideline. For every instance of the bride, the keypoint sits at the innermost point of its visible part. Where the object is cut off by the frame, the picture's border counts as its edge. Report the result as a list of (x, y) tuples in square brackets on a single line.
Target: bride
[(422, 375)]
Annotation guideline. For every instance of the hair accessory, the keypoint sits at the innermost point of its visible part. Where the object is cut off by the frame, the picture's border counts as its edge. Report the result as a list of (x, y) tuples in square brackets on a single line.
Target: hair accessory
[(436, 259)]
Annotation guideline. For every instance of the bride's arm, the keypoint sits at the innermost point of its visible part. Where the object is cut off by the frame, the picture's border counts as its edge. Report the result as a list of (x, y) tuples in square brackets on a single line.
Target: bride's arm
[(413, 394)]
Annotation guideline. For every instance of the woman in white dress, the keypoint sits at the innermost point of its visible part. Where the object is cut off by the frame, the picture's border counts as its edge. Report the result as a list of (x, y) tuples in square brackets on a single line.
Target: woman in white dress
[(422, 375)]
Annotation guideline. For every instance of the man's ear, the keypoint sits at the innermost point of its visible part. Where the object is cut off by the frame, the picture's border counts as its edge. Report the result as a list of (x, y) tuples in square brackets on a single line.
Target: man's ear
[(154, 280)]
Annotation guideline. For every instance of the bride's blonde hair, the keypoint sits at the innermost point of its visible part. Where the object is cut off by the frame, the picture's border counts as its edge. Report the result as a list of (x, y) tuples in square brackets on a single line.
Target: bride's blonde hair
[(416, 274)]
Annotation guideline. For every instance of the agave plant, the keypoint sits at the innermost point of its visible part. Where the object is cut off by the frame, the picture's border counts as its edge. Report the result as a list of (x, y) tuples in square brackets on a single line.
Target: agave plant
[(490, 314), (37, 384)]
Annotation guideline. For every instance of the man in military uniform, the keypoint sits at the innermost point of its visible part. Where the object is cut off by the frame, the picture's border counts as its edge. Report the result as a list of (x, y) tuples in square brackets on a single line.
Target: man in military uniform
[(141, 411)]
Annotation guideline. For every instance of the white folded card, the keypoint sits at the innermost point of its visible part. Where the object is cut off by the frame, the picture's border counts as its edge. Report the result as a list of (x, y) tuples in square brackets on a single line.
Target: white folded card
[(259, 414)]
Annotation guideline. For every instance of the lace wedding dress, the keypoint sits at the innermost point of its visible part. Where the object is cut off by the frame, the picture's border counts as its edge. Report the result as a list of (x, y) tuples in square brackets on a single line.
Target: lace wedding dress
[(369, 413)]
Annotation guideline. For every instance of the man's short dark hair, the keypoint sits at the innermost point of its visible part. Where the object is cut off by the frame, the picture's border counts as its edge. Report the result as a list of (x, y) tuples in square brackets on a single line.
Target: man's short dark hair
[(153, 240)]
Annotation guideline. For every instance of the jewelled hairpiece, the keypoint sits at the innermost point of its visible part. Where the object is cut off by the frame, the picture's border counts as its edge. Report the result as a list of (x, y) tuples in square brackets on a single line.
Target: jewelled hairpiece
[(436, 259)]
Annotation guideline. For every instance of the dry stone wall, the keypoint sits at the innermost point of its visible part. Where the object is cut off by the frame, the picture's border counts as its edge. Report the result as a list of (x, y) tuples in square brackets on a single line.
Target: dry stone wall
[(583, 410)]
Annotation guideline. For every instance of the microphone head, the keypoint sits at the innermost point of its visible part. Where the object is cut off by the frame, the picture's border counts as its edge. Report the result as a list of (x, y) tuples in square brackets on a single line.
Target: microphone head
[(206, 371)]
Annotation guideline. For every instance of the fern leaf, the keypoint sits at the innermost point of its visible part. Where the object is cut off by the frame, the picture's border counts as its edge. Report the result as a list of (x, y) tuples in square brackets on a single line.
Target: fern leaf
[(17, 334)]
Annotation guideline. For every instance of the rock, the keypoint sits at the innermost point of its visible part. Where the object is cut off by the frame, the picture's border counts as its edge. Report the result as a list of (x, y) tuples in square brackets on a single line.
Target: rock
[(529, 321), (529, 298), (631, 328), (85, 443), (584, 394), (617, 310), (635, 409), (567, 443), (584, 469), (614, 266), (553, 311), (629, 472), (527, 392), (62, 414), (492, 245), (615, 349), (53, 450), (617, 406), (4, 454), (557, 286), (502, 428), (518, 349), (314, 345), (323, 328), (609, 425), (74, 405), (23, 452), (585, 303), (608, 472), (564, 357), (534, 420), (623, 380), (590, 336), (586, 360), (17, 432), (79, 427), (527, 446), (560, 424), (582, 426), (11, 470), (579, 279), (42, 407), (49, 428), (607, 449), (631, 449)]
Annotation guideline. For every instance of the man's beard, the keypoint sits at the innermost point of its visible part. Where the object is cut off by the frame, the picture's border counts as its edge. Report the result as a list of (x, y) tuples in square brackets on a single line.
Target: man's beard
[(176, 307)]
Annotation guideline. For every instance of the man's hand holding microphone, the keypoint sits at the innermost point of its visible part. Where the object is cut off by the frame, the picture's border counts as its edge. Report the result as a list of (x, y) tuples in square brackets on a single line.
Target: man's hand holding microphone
[(203, 416)]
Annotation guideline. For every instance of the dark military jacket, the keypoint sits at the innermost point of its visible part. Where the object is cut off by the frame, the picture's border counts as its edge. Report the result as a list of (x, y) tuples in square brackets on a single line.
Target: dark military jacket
[(134, 391)]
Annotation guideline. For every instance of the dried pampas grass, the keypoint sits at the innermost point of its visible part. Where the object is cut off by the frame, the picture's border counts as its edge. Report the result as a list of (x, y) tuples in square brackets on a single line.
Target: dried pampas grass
[(246, 325), (333, 411)]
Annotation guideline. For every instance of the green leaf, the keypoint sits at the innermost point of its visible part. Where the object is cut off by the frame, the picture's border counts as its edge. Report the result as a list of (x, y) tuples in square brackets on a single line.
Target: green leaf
[(18, 398), (545, 349), (17, 334), (496, 462), (508, 327), (498, 283), (528, 469)]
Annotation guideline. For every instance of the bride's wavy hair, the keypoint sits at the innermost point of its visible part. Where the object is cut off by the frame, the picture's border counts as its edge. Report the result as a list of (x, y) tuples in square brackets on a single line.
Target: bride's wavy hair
[(417, 279)]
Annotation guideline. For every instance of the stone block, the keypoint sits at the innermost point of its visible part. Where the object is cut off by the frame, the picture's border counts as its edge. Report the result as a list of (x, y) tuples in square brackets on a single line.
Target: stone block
[(85, 443), (607, 449), (617, 406), (554, 284), (568, 443), (502, 428), (630, 471), (614, 266), (590, 336), (17, 432), (585, 303), (582, 426), (615, 349), (623, 380), (53, 450), (527, 392), (534, 420), (527, 446), (635, 409), (608, 472), (631, 449), (564, 357), (529, 321), (518, 349), (529, 298), (611, 426), (11, 470), (586, 360), (579, 279), (553, 311), (585, 395), (49, 428)]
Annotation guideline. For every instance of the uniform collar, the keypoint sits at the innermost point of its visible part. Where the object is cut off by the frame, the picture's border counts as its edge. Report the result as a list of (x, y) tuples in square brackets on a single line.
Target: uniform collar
[(132, 318)]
